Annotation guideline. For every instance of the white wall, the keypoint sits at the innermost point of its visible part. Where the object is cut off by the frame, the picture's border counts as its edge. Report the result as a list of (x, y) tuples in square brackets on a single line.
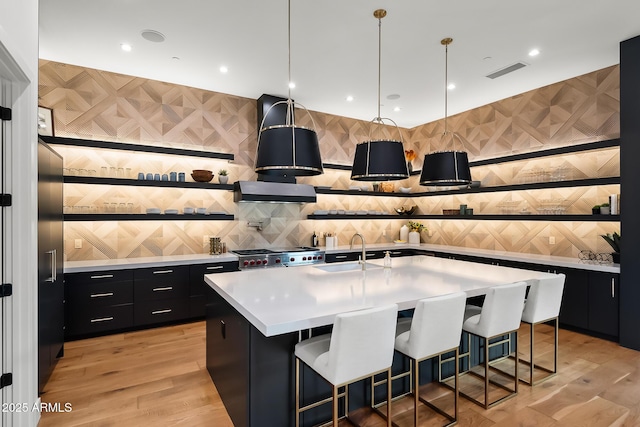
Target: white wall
[(19, 75)]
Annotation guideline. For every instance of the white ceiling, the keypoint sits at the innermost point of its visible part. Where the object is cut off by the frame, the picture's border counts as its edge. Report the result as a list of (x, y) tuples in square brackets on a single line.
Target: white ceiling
[(334, 47)]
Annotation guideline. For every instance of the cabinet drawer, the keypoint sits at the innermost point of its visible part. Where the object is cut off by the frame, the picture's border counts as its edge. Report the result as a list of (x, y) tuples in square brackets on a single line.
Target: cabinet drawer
[(163, 274), (111, 276), (160, 283), (340, 257), (101, 319), (150, 312), (196, 274), (100, 294)]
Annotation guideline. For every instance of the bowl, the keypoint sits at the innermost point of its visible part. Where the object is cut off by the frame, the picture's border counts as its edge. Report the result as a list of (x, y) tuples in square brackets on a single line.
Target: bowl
[(201, 175), (406, 211), (187, 210), (405, 189)]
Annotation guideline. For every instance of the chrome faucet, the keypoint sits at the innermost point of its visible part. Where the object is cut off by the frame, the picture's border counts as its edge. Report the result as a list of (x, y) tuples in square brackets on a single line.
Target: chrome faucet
[(363, 258)]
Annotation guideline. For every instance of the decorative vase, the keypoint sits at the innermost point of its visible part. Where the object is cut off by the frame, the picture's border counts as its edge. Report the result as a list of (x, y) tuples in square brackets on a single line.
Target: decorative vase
[(604, 210), (595, 211), (410, 166), (404, 233), (223, 179), (414, 237), (616, 257)]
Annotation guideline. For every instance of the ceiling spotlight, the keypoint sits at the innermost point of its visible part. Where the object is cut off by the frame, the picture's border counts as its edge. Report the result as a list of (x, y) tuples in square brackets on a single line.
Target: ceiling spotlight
[(349, 98), (534, 52), (396, 109), (451, 86), (224, 69), (292, 85), (126, 47)]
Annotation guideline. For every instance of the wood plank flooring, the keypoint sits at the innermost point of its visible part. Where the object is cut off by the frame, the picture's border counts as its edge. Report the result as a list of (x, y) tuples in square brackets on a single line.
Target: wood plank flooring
[(158, 377)]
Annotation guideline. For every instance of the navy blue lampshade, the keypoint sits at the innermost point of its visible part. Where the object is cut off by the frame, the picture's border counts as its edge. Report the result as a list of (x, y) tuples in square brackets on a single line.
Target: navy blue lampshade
[(379, 161), (445, 168), (288, 150)]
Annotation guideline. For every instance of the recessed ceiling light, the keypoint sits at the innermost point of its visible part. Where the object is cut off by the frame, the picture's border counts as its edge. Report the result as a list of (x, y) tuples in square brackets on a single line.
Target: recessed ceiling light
[(175, 58), (451, 86), (292, 85), (393, 96), (534, 52), (152, 36), (349, 98), (396, 109), (126, 47), (223, 69)]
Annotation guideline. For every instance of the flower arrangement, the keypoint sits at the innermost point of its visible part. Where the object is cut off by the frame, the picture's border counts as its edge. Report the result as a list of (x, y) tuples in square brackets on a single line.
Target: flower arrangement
[(416, 226), (410, 155)]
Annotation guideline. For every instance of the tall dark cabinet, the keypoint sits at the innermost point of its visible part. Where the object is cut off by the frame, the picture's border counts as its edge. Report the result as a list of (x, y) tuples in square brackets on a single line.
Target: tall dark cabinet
[(50, 259)]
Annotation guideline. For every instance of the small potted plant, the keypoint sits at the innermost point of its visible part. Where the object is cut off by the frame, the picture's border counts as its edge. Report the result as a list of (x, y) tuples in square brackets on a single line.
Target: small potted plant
[(604, 209), (595, 210), (415, 228), (614, 241), (223, 177)]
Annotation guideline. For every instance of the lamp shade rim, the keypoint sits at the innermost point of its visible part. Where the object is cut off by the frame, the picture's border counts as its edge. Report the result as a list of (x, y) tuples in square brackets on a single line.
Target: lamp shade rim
[(287, 126), (445, 182), (380, 177), (380, 140)]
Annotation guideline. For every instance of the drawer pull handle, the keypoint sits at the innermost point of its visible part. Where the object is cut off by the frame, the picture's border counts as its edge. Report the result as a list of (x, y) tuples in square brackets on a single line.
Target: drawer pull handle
[(103, 276), (396, 253), (102, 319), (166, 288), (340, 256), (613, 287), (163, 272), (168, 310), (216, 267), (106, 294)]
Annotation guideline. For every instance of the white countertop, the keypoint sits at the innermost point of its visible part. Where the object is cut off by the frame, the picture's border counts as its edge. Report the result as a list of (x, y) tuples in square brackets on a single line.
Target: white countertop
[(288, 299), (159, 261), (144, 262), (557, 261)]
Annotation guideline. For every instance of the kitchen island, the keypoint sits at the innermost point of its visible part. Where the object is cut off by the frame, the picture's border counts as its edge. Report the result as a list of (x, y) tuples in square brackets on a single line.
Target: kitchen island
[(255, 318)]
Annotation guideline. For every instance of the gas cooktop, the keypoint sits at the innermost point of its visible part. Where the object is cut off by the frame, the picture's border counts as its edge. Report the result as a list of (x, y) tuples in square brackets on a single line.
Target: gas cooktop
[(279, 257)]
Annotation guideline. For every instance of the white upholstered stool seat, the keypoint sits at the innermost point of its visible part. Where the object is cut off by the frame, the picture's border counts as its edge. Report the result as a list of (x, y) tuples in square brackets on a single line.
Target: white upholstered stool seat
[(360, 346), (499, 315), (541, 306), (434, 330)]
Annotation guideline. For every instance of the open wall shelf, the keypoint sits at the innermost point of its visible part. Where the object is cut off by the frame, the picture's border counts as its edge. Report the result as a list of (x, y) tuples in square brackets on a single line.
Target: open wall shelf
[(147, 217), (144, 183), (134, 147), (489, 217)]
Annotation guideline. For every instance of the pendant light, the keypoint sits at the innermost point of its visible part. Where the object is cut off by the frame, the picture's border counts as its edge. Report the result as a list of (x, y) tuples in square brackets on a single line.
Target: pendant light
[(380, 160), (446, 168), (287, 149)]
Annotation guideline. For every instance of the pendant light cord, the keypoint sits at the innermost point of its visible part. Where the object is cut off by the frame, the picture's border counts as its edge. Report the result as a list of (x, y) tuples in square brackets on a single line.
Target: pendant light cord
[(379, 119), (446, 84), (290, 117)]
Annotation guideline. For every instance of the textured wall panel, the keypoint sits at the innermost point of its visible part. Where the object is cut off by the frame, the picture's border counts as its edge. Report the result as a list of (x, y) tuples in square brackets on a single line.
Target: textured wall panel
[(94, 104)]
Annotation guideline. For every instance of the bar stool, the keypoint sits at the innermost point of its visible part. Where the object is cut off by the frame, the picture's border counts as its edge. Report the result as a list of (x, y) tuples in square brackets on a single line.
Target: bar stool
[(541, 306), (434, 330), (499, 315), (360, 346)]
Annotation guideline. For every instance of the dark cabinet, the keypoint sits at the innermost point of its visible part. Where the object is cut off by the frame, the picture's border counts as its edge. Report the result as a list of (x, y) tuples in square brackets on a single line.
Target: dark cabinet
[(160, 295), (98, 302), (356, 255), (50, 262), (574, 310), (198, 287), (604, 303)]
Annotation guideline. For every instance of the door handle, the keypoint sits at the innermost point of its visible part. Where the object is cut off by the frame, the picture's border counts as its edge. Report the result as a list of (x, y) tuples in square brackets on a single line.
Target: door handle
[(163, 272), (168, 310), (103, 276), (215, 267), (52, 278), (102, 319), (106, 294), (613, 287), (166, 288)]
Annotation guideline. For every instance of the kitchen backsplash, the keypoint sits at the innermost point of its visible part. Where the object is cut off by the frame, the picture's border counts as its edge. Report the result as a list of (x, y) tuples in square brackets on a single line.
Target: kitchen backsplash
[(95, 104)]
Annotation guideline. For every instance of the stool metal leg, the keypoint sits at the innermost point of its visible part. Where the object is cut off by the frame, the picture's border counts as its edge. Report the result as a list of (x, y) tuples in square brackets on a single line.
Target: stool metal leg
[(416, 391), (297, 392), (335, 405), (389, 397)]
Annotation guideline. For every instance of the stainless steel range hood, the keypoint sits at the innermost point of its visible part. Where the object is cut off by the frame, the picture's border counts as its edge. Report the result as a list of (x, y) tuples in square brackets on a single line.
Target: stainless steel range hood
[(275, 192)]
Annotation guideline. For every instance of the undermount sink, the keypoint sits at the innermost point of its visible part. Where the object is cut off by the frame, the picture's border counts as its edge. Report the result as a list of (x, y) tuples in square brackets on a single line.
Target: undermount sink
[(345, 266)]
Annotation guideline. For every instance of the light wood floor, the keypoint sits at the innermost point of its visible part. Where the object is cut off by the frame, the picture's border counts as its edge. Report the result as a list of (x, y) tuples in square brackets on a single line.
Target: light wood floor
[(158, 377)]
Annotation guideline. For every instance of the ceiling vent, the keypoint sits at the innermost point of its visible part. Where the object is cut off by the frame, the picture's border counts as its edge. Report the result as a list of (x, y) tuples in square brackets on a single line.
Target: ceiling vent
[(506, 70)]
